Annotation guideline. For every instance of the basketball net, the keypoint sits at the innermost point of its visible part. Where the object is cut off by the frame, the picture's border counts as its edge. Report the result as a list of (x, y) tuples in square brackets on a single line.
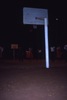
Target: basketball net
[(34, 26)]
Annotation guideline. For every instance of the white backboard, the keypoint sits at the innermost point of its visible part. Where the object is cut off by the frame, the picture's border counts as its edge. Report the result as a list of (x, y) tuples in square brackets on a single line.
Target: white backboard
[(34, 16)]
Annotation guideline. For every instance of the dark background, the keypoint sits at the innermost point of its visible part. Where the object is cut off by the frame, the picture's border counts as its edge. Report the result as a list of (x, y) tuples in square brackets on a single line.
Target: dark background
[(12, 29)]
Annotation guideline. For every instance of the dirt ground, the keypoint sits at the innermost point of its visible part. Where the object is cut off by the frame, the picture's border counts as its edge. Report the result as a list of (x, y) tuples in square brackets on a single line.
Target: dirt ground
[(32, 81)]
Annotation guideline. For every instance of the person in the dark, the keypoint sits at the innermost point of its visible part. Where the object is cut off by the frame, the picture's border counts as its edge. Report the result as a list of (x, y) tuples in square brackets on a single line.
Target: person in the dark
[(65, 52), (1, 52), (52, 53)]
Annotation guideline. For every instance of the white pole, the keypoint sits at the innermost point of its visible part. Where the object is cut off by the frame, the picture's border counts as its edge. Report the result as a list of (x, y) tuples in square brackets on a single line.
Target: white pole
[(46, 42)]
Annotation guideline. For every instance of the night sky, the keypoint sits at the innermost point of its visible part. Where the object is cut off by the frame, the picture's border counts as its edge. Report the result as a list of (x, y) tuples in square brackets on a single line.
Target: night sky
[(13, 31)]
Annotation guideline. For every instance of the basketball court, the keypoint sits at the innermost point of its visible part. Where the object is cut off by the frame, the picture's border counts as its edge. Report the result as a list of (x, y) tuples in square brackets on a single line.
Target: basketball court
[(32, 81)]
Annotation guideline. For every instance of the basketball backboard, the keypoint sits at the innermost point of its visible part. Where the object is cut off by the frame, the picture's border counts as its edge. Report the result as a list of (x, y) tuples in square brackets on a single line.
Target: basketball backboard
[(34, 16)]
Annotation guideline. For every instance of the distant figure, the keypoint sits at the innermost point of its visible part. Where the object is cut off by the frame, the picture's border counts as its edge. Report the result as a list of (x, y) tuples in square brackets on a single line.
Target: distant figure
[(29, 54), (20, 53), (39, 53), (65, 52), (1, 52), (52, 50), (59, 53)]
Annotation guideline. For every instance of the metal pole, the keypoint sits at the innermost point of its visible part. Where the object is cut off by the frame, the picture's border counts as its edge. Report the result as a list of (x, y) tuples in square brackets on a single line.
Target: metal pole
[(46, 42)]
